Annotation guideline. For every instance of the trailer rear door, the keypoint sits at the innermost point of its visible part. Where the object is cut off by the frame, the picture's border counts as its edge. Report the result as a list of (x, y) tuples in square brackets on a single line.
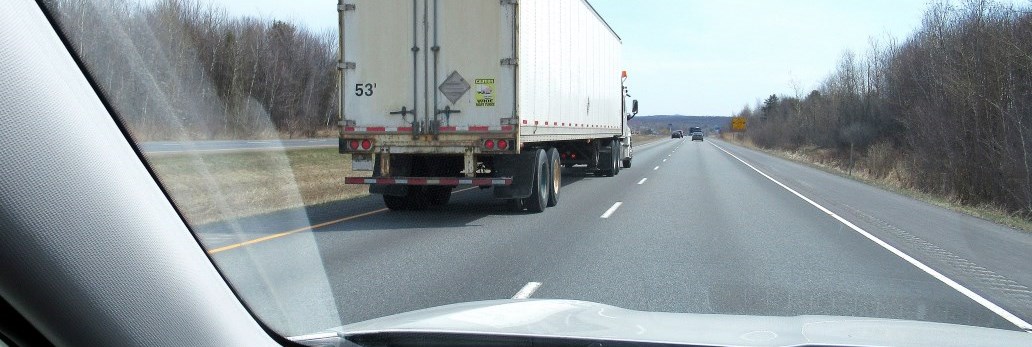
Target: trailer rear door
[(430, 66)]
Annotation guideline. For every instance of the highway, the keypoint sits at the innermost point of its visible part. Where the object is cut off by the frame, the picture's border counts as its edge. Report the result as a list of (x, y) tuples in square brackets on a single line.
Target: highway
[(171, 147), (702, 227)]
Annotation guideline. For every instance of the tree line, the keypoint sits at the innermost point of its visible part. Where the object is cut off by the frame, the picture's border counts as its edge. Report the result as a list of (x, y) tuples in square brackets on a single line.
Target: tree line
[(177, 69), (948, 110)]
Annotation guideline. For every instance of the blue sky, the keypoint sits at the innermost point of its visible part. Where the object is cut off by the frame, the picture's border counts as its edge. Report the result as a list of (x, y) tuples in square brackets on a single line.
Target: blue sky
[(696, 57)]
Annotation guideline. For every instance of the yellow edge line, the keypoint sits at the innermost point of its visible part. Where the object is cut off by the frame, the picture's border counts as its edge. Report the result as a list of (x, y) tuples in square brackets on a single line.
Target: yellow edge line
[(310, 227)]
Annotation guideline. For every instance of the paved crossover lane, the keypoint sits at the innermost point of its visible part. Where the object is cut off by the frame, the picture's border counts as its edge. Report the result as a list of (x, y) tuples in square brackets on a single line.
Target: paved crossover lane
[(690, 228)]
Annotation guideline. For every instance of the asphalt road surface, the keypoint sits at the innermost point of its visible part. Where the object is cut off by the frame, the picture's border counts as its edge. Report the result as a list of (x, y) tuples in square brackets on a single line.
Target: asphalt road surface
[(701, 227), (233, 145)]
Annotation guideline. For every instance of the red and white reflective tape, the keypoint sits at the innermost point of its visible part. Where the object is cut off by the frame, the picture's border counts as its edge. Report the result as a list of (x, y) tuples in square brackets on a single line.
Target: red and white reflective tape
[(476, 128), (469, 128), (377, 129), (430, 181), (572, 125)]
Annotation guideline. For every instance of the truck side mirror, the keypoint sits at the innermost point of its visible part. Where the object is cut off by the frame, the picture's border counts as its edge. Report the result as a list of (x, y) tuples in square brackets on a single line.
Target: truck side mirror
[(634, 107)]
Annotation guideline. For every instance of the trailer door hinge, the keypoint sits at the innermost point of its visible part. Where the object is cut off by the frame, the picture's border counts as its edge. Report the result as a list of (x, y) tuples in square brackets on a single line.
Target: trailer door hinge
[(346, 66), (510, 61), (346, 7)]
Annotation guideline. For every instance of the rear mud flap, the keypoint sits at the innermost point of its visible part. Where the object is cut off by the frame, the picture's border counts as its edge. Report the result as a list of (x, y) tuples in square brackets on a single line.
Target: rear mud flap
[(521, 169)]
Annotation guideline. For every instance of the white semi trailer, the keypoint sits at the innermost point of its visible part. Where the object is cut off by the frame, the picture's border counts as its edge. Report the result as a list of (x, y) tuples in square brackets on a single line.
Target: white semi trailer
[(491, 93)]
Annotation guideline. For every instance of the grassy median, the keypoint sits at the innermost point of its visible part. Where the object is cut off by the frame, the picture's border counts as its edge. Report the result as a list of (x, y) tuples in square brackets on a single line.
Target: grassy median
[(210, 187)]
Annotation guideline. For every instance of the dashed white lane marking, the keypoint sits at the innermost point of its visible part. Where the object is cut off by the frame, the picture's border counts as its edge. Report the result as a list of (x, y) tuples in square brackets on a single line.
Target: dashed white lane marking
[(655, 168), (664, 160), (610, 211), (643, 180), (1010, 317), (527, 290)]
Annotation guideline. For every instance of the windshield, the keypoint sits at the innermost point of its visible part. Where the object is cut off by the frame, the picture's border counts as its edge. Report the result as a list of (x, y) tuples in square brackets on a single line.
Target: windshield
[(341, 162)]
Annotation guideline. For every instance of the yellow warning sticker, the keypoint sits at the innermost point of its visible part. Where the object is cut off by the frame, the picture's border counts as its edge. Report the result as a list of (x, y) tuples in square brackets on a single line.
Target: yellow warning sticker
[(485, 90)]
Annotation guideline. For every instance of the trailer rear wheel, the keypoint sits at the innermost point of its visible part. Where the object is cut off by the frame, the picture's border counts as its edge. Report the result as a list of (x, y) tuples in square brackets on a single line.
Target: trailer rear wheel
[(438, 195), (538, 199), (418, 198), (396, 203), (615, 169), (556, 177)]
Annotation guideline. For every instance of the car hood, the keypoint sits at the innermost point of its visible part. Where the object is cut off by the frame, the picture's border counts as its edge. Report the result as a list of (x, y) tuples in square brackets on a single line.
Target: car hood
[(570, 319)]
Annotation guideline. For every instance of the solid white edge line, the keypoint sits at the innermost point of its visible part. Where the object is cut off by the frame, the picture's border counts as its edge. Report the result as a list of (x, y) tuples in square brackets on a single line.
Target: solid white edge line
[(610, 211), (1010, 317), (527, 290), (643, 180)]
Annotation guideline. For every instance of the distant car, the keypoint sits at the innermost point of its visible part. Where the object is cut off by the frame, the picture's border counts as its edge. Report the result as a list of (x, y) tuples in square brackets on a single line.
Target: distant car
[(697, 136), (676, 135)]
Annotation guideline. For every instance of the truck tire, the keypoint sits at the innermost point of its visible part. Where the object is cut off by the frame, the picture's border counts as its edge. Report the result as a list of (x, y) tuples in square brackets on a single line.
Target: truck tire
[(627, 163), (438, 195), (418, 198), (556, 174), (616, 161), (538, 199), (396, 203)]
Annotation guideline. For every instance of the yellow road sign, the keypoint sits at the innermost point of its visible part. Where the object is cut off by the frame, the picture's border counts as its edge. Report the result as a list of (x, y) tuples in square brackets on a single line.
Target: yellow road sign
[(737, 124)]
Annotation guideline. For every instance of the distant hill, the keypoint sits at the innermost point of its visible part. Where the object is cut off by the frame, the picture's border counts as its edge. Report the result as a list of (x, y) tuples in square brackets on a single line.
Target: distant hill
[(661, 123)]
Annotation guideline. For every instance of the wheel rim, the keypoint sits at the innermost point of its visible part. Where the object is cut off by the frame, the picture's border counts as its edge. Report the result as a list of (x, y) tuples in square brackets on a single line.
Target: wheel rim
[(556, 176)]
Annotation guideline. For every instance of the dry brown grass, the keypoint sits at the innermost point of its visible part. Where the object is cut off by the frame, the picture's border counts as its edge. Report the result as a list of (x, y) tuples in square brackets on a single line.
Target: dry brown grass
[(213, 187), (639, 140)]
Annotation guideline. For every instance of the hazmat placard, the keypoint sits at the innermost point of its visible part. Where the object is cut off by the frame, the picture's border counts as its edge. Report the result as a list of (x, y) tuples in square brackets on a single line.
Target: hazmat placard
[(485, 91), (454, 87)]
